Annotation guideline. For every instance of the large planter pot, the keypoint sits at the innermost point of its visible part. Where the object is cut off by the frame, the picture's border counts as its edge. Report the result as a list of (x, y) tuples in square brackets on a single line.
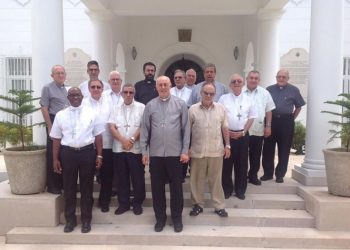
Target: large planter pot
[(337, 171), (26, 171)]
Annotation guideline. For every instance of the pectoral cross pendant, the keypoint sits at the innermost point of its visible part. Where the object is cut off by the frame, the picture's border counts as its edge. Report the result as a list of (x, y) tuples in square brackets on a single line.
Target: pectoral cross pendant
[(239, 116), (127, 126)]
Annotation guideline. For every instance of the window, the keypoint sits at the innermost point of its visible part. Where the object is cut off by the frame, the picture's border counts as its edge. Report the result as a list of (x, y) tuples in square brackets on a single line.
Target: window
[(19, 77)]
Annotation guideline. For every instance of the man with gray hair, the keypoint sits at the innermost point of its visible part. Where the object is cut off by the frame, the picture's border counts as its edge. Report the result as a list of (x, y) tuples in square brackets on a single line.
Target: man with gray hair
[(53, 99), (165, 137), (191, 78)]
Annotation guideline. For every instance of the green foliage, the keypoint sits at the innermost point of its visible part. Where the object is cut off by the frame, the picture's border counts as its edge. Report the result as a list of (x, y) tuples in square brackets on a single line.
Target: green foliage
[(21, 103), (299, 138), (342, 127)]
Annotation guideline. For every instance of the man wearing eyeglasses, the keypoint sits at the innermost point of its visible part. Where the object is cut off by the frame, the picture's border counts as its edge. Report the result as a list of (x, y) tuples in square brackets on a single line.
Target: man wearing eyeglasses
[(102, 106), (240, 113), (209, 76), (93, 70), (124, 123), (180, 90), (209, 132), (288, 102)]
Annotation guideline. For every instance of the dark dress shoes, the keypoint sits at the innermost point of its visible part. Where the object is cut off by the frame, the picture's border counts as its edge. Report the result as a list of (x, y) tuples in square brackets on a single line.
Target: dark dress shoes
[(255, 181), (279, 179), (85, 227), (178, 226), (265, 178), (104, 209), (240, 196), (69, 227), (159, 226), (137, 210), (227, 196), (121, 210), (54, 191)]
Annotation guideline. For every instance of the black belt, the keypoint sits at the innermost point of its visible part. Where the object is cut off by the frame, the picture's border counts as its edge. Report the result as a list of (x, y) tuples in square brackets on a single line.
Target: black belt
[(90, 146), (236, 130), (282, 115)]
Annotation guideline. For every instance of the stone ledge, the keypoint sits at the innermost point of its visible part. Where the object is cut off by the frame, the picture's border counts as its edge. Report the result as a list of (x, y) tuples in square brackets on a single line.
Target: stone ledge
[(28, 210), (331, 212)]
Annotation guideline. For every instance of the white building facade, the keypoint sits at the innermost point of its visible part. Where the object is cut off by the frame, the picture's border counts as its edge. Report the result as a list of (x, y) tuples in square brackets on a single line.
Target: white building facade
[(237, 36)]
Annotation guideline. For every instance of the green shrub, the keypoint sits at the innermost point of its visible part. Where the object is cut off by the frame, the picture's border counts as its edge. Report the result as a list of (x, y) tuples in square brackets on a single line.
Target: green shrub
[(299, 138)]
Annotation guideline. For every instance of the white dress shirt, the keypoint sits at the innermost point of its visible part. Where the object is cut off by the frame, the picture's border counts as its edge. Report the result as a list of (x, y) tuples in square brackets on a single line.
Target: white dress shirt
[(102, 109), (263, 103), (76, 126), (238, 109), (127, 119), (184, 93)]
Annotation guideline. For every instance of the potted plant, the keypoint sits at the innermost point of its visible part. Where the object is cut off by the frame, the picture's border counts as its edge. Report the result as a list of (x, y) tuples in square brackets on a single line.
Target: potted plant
[(25, 162), (337, 160)]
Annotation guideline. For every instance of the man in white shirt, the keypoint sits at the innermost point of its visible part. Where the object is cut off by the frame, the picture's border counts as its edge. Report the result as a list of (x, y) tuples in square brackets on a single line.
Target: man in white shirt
[(180, 90), (124, 123), (261, 126), (102, 106), (191, 78), (77, 149), (240, 114), (93, 71)]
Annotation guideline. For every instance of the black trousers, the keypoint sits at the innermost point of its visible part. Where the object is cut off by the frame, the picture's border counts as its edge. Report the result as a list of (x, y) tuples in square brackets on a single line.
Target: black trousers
[(53, 180), (255, 148), (73, 163), (129, 166), (106, 177), (282, 131), (163, 169), (239, 162)]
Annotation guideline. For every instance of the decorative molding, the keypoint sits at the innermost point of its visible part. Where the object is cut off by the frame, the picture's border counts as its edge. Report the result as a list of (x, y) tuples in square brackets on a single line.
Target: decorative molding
[(22, 2), (74, 2), (296, 2)]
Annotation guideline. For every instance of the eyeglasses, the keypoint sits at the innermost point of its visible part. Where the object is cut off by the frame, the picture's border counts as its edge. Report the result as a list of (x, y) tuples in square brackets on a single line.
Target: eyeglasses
[(95, 87), (178, 77), (115, 79), (208, 94), (128, 92), (236, 81)]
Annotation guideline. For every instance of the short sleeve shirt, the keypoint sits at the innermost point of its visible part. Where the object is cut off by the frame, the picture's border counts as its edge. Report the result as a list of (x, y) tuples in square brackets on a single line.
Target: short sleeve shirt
[(54, 97)]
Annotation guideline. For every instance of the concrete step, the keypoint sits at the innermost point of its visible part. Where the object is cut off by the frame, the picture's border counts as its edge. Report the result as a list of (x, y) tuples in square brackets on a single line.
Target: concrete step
[(237, 217), (218, 236), (268, 187), (264, 201)]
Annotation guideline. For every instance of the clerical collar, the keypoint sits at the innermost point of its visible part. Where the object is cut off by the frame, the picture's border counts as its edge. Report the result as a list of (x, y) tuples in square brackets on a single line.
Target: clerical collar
[(165, 99), (128, 105), (59, 85), (94, 100), (75, 108)]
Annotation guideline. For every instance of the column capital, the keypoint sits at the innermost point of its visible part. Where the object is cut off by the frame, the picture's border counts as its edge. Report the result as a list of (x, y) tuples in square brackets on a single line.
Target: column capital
[(100, 15), (265, 15)]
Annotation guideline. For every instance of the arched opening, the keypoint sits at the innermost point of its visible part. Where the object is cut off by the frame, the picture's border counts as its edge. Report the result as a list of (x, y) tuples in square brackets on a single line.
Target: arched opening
[(184, 64)]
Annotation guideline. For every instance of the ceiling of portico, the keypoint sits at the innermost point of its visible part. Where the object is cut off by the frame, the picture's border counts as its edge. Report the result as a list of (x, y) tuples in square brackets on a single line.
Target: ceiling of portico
[(183, 7)]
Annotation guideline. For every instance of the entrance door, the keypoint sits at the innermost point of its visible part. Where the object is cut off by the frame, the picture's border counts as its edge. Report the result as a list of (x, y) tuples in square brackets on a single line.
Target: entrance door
[(184, 64)]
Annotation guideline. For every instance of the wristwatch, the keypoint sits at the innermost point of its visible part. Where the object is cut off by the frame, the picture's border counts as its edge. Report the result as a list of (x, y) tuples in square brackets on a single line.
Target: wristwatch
[(132, 139), (243, 133), (228, 146)]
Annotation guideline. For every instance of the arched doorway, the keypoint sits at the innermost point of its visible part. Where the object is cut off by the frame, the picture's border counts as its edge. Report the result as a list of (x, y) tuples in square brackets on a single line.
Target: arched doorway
[(184, 64)]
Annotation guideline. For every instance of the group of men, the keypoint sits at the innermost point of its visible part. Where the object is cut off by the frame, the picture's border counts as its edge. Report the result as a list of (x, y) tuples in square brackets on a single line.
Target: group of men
[(119, 129)]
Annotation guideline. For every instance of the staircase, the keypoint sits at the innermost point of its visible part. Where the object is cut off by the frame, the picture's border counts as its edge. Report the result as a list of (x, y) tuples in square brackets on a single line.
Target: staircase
[(271, 216)]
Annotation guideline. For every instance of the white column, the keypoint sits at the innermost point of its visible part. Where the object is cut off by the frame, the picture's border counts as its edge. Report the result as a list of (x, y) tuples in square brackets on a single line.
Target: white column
[(47, 50), (103, 41), (326, 58), (268, 45)]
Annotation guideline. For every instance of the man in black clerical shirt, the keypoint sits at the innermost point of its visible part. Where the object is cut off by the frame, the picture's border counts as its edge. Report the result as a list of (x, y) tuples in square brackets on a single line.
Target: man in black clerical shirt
[(146, 89)]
